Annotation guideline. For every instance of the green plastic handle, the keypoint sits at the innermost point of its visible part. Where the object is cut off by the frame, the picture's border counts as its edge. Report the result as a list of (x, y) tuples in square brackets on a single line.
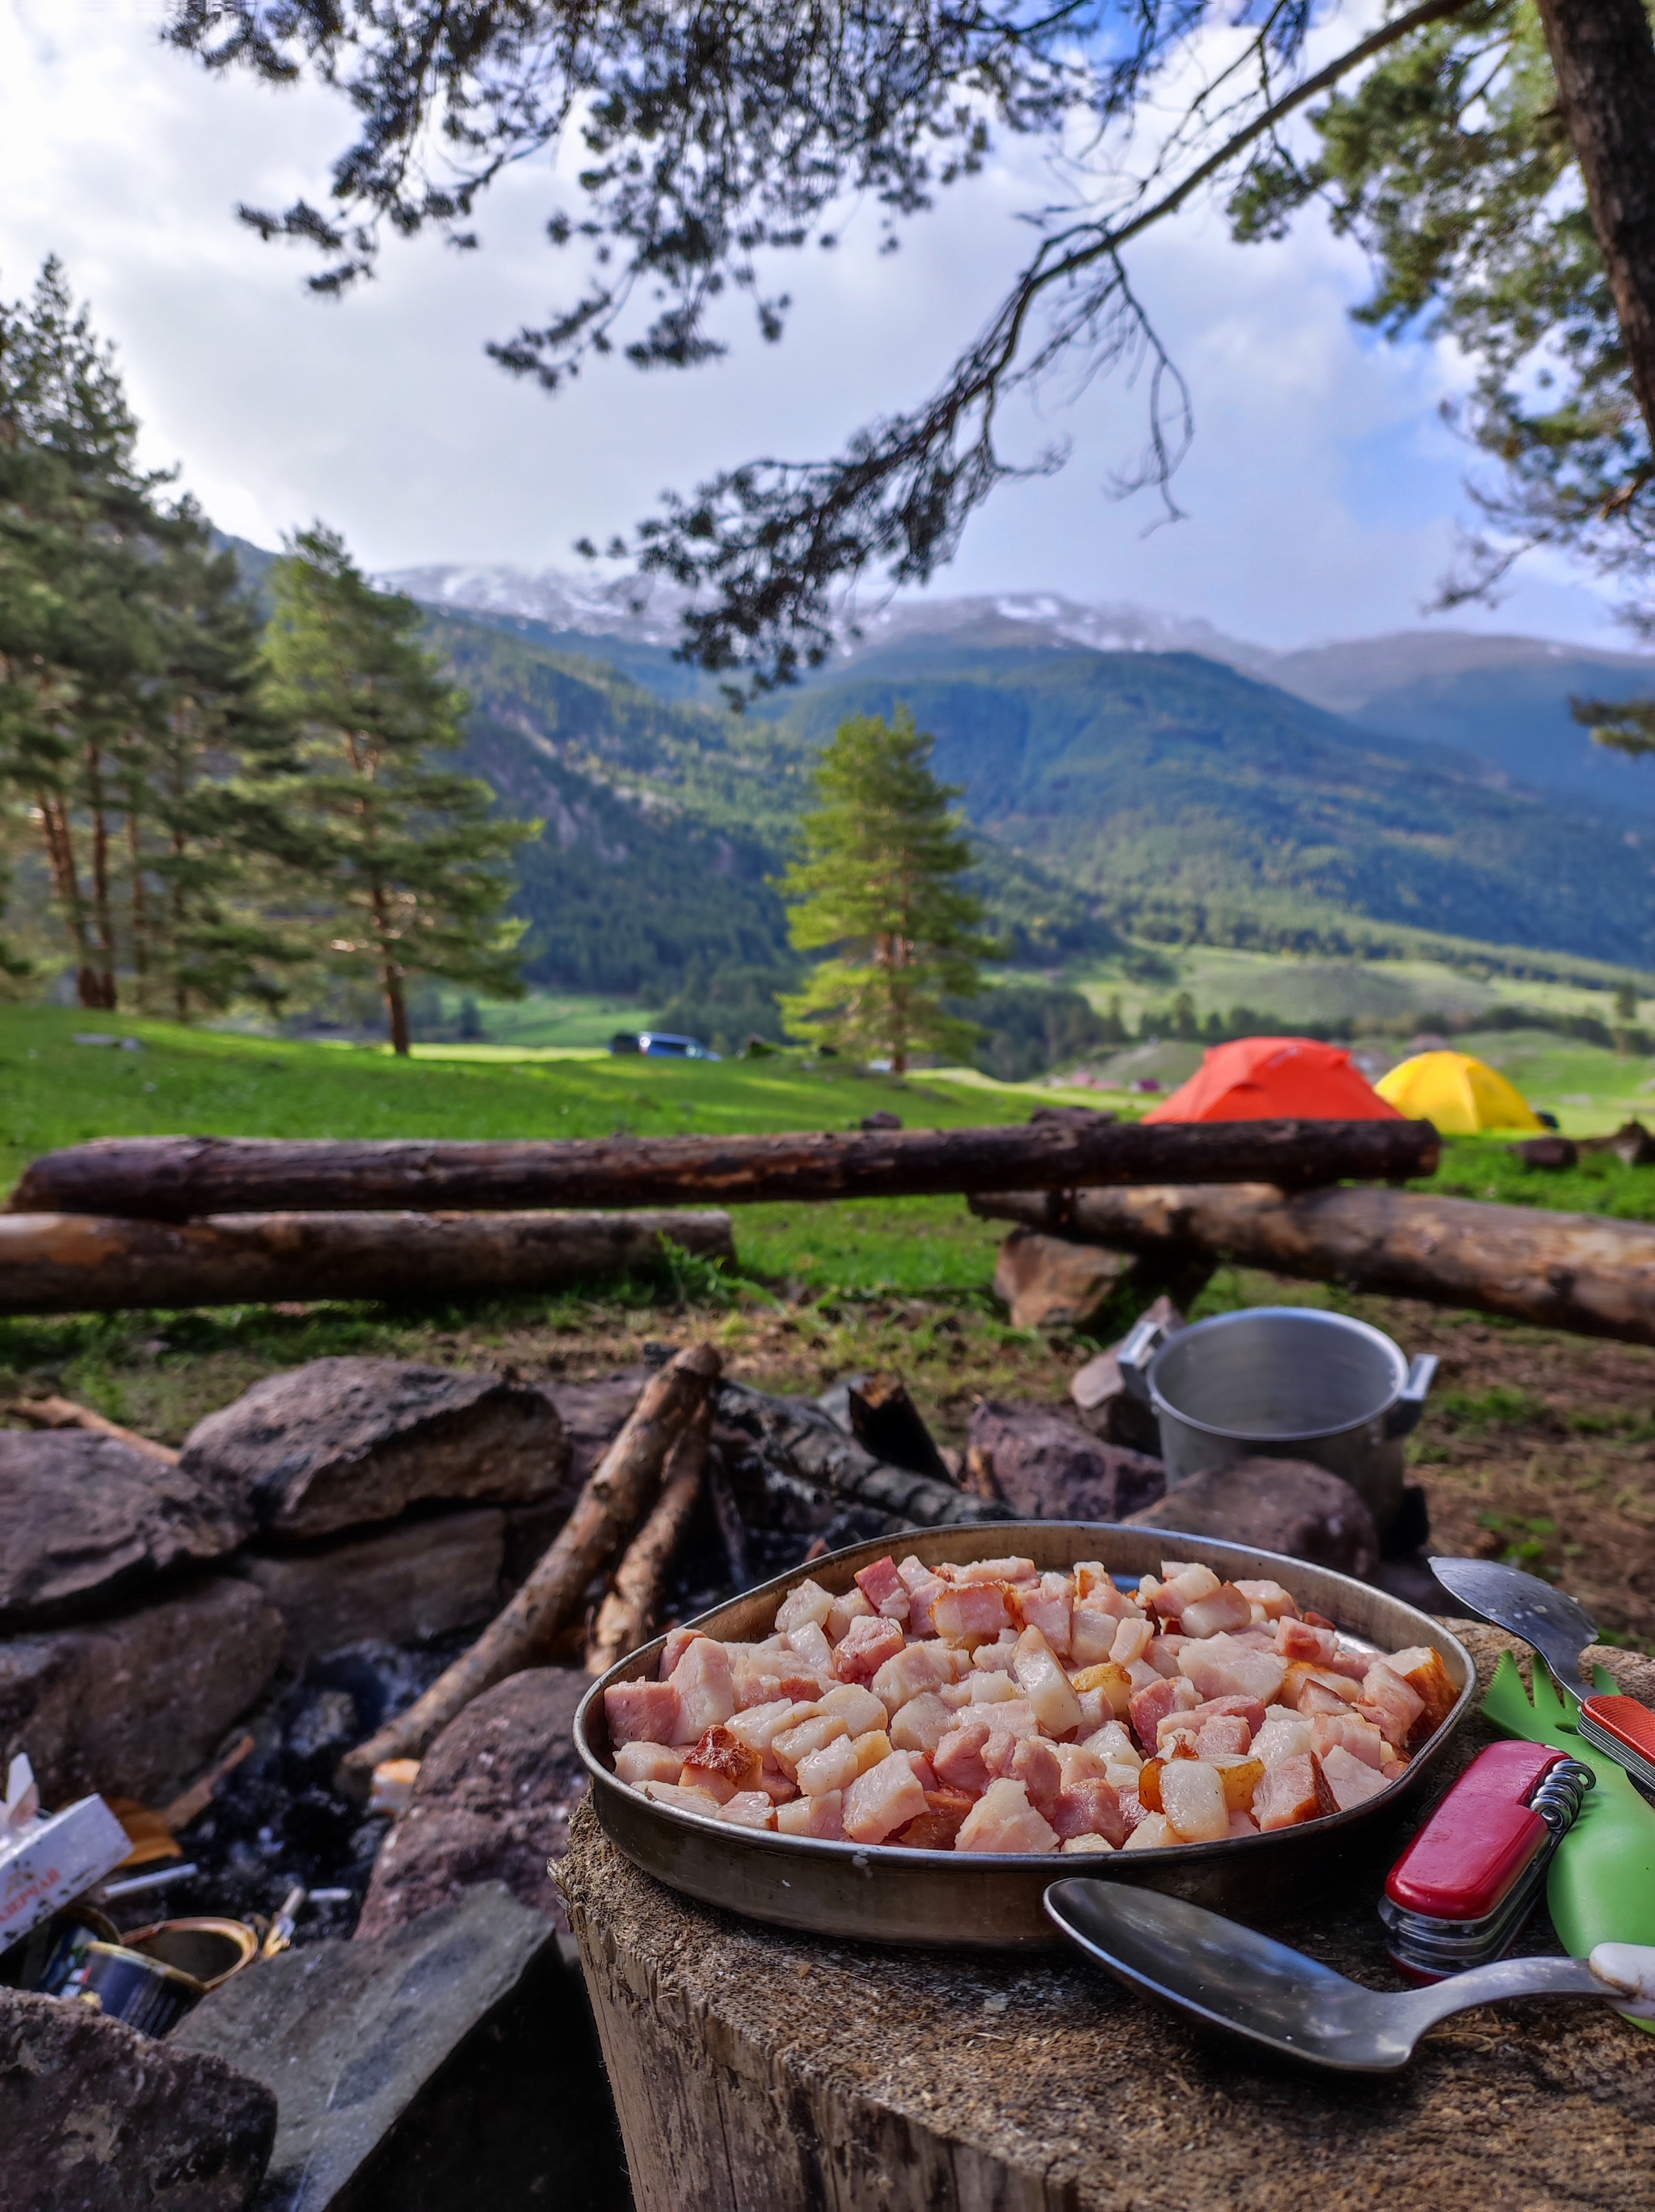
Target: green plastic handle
[(1601, 1888)]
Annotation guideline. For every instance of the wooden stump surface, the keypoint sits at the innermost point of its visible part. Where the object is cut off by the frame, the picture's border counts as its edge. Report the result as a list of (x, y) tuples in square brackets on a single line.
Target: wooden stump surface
[(755, 2070)]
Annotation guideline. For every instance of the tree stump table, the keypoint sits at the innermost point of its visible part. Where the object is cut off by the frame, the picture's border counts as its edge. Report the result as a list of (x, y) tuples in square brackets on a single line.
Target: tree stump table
[(754, 2070)]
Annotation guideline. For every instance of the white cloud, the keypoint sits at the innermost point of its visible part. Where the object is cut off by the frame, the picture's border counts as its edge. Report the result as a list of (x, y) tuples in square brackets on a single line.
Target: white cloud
[(1321, 490)]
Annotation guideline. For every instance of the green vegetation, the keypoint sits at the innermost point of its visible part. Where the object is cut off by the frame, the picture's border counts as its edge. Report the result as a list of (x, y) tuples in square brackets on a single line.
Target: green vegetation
[(396, 854), (877, 889)]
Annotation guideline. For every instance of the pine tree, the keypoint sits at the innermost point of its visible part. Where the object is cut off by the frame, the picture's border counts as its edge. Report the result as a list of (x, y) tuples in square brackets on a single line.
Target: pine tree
[(880, 884), (401, 862)]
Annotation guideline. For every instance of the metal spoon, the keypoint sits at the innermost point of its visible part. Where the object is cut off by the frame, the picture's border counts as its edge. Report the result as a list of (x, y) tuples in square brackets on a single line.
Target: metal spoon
[(1558, 1629), (1233, 1978)]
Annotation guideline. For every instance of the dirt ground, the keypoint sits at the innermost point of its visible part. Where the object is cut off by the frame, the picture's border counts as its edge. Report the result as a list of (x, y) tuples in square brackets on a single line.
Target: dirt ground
[(1535, 1447)]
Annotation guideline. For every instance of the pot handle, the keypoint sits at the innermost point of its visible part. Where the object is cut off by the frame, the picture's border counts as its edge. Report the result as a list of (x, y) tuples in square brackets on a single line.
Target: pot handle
[(1138, 1348), (1406, 1414)]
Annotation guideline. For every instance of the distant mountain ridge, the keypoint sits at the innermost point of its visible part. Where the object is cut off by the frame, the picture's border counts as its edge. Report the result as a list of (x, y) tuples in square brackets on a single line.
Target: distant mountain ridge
[(1502, 698)]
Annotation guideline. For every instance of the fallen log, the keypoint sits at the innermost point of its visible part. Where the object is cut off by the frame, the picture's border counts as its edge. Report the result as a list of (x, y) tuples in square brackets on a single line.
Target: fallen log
[(628, 1613), (604, 1514), (188, 1178), (87, 1263), (796, 1440), (63, 1413), (1571, 1271)]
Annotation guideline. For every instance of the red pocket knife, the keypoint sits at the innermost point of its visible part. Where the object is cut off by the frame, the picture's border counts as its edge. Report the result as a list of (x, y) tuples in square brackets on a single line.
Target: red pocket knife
[(1458, 1894)]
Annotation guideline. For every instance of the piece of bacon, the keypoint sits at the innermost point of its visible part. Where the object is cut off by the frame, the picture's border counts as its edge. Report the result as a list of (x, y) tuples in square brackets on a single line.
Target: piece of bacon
[(1293, 1791), (865, 1647), (958, 1759), (750, 1808), (720, 1753), (970, 1613), (1003, 1819), (1297, 1639), (639, 1762), (1388, 1702), (884, 1589), (1351, 1779), (936, 1828), (1089, 1807), (812, 1816), (1226, 1609), (1422, 1668), (888, 1797), (641, 1713), (705, 1688)]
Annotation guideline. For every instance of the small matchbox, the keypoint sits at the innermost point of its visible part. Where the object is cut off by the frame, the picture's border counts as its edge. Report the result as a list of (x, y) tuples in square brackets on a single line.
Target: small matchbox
[(53, 1859)]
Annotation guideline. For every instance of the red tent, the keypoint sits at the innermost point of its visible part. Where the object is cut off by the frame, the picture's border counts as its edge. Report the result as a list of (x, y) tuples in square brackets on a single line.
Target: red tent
[(1261, 1079)]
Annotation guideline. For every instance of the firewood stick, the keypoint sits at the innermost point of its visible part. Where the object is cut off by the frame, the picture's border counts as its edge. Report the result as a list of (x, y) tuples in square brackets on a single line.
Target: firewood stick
[(603, 1516), (65, 1413), (628, 1612)]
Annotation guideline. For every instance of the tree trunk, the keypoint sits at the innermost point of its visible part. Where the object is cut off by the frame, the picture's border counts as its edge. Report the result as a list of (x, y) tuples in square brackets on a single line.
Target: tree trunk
[(397, 1013), (1557, 1270), (1603, 55), (79, 1263), (174, 1178), (59, 842), (140, 910), (613, 1500), (102, 913)]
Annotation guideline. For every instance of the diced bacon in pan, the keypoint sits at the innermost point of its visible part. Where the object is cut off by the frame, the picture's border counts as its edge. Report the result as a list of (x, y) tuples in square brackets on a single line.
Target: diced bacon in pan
[(805, 1601), (682, 1799), (975, 1612), (920, 1667), (1210, 1616), (810, 1640), (1183, 1585), (1047, 1606), (888, 1797), (1163, 1654), (791, 1745), (958, 1759), (750, 1808), (647, 1762), (1034, 1763), (1224, 1732), (1331, 1691), (720, 1753), (884, 1589), (1293, 1791), (937, 1827), (1243, 1824), (859, 1708), (1041, 1676), (1296, 1640), (1284, 1735), (865, 1647), (922, 1723), (993, 1688), (1352, 1732), (1153, 1832), (1096, 1587), (1422, 1670), (1240, 1774), (995, 1656), (842, 1611), (1193, 1799), (678, 1641), (924, 1589), (1270, 1597), (1220, 1666), (1387, 1701), (812, 1816), (996, 1571), (1088, 1808), (759, 1725), (705, 1688), (1132, 1639), (641, 1713), (1003, 1819), (1352, 1781)]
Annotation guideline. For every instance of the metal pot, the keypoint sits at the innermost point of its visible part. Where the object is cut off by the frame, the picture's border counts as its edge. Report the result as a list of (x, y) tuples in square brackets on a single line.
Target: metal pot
[(1282, 1383)]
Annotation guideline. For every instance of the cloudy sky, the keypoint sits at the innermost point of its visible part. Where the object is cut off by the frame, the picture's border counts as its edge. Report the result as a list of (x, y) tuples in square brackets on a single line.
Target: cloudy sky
[(1321, 496)]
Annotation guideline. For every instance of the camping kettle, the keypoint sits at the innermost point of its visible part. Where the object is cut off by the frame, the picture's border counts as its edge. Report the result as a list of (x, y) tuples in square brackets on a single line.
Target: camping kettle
[(1282, 1383)]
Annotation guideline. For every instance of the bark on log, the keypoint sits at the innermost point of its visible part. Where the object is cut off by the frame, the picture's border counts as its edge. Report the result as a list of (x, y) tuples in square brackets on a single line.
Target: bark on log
[(82, 1263), (1571, 1271), (65, 1413), (627, 1616), (187, 1178), (604, 1515), (794, 1437)]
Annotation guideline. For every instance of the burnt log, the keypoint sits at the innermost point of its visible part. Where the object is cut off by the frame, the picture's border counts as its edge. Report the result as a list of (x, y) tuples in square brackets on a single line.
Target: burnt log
[(604, 1514), (81, 1263), (191, 1178), (1571, 1271), (885, 1421), (792, 1441)]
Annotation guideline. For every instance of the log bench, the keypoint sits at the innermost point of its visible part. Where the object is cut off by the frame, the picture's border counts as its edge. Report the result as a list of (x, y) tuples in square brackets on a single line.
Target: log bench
[(754, 2070)]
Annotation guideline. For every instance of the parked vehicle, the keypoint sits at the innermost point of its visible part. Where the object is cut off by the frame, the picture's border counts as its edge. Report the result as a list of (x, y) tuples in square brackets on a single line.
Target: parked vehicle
[(661, 1044)]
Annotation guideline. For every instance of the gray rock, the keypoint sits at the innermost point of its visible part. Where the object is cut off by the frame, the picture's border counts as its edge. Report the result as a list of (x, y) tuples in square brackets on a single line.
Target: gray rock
[(134, 1705), (85, 1518), (493, 1803), (343, 1443), (416, 1581), (593, 1414), (356, 2038), (1046, 1468), (1283, 1505), (1048, 1282), (94, 2117)]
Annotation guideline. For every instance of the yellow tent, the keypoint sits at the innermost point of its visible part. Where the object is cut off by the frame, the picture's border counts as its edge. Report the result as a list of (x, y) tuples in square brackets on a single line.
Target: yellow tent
[(1460, 1095)]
